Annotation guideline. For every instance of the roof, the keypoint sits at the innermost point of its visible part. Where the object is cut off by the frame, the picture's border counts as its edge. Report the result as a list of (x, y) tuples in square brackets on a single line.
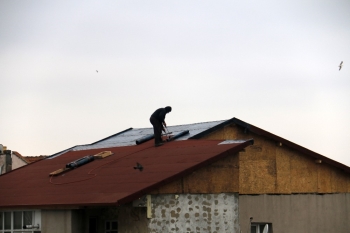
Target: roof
[(32, 159), (129, 136), (112, 180)]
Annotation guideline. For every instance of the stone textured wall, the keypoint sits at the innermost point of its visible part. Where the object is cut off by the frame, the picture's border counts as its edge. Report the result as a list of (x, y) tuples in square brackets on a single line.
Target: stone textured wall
[(194, 213)]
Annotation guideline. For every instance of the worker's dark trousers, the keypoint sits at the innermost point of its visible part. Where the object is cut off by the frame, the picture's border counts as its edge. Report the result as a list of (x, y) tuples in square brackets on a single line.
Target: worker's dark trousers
[(157, 128)]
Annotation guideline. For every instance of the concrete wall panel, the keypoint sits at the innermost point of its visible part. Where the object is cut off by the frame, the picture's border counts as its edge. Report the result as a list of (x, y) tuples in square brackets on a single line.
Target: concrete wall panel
[(56, 221), (297, 213)]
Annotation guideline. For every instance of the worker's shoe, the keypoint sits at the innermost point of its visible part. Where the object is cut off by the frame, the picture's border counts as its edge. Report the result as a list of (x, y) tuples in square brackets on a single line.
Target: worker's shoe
[(158, 144)]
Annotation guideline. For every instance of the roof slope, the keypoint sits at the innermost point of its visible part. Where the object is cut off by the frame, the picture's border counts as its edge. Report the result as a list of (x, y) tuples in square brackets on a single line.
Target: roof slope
[(32, 159), (129, 136), (112, 180)]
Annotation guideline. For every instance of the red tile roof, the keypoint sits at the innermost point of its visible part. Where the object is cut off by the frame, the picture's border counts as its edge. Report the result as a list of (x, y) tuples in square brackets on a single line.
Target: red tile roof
[(32, 159), (112, 180)]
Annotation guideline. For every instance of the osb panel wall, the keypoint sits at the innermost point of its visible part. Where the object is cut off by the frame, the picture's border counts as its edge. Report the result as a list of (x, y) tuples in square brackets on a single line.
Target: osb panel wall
[(265, 167), (221, 176), (257, 172)]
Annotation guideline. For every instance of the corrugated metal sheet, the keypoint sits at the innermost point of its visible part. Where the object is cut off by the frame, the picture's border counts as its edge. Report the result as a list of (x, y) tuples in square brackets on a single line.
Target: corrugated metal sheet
[(128, 137), (109, 181)]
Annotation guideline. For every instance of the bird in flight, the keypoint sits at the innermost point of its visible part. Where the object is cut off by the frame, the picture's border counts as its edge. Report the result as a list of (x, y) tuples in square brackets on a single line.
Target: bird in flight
[(341, 65)]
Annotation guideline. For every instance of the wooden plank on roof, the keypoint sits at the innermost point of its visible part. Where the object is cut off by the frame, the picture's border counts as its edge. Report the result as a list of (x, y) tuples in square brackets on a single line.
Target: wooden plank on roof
[(103, 154), (59, 171)]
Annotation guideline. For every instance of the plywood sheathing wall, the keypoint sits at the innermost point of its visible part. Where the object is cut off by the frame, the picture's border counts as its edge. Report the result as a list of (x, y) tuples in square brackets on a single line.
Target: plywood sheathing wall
[(218, 177), (269, 167), (263, 168)]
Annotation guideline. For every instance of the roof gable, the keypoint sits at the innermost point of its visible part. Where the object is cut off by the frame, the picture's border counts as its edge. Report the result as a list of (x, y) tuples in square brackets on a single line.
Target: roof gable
[(285, 142)]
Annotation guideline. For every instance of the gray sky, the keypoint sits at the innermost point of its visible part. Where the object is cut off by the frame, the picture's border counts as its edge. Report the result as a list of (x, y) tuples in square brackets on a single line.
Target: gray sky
[(273, 64)]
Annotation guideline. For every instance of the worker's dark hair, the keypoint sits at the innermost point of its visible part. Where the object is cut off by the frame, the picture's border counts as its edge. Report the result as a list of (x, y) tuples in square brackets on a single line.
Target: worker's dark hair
[(168, 109)]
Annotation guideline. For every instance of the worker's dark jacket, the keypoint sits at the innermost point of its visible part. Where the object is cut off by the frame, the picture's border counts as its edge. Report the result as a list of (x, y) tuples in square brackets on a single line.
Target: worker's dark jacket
[(159, 114), (156, 119)]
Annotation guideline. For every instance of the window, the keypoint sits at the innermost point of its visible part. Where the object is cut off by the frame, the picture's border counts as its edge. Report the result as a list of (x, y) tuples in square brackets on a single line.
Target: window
[(92, 225), (20, 221), (111, 227), (261, 228)]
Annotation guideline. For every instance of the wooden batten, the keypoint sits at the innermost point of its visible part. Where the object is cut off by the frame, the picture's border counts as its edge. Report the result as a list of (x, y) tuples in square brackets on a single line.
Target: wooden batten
[(59, 171), (103, 154)]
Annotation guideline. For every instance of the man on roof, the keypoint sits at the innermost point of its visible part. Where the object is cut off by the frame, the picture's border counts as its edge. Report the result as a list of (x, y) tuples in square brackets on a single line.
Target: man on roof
[(157, 120)]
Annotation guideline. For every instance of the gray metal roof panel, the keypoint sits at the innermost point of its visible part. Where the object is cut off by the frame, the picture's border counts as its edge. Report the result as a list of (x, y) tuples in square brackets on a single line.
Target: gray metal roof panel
[(128, 137)]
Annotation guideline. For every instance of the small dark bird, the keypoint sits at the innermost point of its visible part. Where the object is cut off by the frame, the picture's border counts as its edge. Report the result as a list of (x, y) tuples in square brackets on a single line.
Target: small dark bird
[(96, 71), (341, 65), (138, 166)]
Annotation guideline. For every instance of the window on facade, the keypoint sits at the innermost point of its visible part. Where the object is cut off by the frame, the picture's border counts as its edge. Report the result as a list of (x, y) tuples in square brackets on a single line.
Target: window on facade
[(18, 222), (111, 227), (92, 225), (261, 228)]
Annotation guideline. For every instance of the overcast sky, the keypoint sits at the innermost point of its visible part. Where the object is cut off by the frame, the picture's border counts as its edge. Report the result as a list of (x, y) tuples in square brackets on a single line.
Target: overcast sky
[(273, 64)]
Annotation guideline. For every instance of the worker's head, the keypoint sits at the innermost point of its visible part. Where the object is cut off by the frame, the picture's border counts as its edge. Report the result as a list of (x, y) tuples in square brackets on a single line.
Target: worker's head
[(168, 109)]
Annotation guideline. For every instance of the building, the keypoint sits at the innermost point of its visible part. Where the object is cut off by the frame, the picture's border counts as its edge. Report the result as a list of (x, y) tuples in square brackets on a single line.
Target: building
[(234, 178), (10, 160)]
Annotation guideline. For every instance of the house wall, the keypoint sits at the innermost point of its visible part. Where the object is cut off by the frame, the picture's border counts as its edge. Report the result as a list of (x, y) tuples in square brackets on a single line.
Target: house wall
[(5, 163), (2, 164), (169, 213), (130, 219), (214, 213), (297, 212), (219, 177), (267, 167), (17, 162), (62, 221), (133, 219)]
